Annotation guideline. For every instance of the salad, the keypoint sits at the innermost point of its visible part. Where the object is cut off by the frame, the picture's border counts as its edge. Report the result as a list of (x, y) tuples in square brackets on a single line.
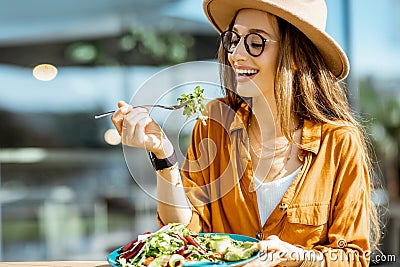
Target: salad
[(195, 104), (173, 245)]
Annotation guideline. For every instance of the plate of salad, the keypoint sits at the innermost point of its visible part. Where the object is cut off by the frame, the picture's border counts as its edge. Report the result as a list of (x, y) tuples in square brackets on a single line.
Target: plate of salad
[(176, 246)]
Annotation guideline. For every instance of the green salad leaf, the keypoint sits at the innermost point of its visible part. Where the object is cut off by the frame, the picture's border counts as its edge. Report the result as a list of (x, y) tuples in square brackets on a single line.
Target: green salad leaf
[(195, 104), (245, 251), (176, 244)]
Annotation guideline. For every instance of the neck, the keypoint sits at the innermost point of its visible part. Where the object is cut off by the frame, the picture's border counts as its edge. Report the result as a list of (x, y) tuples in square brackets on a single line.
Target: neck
[(265, 117), (273, 156)]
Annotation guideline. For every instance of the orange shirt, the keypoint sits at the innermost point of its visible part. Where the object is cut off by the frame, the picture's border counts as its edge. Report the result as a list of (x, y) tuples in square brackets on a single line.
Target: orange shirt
[(326, 208)]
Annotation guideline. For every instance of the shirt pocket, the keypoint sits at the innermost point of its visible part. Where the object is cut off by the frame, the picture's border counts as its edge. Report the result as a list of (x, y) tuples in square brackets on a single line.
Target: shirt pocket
[(309, 214)]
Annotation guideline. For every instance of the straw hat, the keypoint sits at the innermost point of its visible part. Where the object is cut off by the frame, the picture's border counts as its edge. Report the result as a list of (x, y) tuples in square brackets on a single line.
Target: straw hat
[(309, 16)]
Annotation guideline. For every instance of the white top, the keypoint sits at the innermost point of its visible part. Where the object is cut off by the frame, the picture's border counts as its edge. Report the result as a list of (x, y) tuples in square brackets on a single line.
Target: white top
[(270, 194)]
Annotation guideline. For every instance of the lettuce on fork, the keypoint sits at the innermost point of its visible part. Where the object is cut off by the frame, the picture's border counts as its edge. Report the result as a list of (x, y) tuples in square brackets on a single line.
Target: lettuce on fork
[(195, 104)]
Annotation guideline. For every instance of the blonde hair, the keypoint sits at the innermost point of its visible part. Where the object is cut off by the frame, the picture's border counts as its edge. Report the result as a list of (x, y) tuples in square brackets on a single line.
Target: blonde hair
[(305, 89)]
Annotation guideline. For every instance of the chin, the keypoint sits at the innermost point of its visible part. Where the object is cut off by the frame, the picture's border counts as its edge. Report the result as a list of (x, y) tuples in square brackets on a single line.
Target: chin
[(248, 90)]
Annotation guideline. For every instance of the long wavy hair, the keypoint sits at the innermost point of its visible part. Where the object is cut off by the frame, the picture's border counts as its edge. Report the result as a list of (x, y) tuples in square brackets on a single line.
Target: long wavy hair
[(305, 89)]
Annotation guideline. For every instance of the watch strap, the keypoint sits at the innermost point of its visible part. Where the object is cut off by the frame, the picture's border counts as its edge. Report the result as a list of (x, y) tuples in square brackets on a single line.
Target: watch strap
[(160, 164)]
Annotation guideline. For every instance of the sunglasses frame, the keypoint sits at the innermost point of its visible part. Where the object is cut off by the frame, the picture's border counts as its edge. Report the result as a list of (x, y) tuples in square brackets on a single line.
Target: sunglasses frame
[(246, 45)]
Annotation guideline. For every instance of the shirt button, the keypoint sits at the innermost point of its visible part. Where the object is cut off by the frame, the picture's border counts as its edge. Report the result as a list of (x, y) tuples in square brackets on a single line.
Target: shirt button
[(283, 206), (259, 235)]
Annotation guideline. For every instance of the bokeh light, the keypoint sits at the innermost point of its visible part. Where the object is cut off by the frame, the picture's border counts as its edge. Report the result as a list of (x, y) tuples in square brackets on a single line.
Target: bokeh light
[(45, 72), (112, 137)]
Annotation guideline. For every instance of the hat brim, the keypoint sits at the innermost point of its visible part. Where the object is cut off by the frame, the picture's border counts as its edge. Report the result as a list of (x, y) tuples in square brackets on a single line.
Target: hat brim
[(221, 12)]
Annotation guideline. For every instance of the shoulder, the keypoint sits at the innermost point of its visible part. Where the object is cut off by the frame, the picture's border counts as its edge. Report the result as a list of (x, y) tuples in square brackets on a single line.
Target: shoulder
[(343, 142), (342, 152), (341, 132), (335, 138), (219, 113), (320, 135), (346, 149)]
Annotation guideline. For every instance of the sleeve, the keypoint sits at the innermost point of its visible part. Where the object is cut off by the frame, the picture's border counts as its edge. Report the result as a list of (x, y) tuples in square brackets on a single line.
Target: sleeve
[(193, 171), (196, 177), (349, 225), (204, 164)]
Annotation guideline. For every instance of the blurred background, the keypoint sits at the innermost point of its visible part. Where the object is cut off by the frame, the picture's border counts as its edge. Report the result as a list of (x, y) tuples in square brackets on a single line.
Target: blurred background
[(66, 192)]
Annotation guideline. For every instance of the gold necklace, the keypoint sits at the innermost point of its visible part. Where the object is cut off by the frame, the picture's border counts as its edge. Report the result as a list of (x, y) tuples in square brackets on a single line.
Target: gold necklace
[(272, 150), (286, 160)]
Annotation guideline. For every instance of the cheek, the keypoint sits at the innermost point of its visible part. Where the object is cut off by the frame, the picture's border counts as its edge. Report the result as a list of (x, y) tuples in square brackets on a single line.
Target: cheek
[(269, 63)]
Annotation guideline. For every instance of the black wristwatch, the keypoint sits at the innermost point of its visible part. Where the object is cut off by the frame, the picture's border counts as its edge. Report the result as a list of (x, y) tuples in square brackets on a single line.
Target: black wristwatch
[(160, 164)]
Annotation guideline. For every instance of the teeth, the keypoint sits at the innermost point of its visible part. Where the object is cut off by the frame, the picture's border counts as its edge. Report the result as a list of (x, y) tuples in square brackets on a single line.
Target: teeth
[(242, 71)]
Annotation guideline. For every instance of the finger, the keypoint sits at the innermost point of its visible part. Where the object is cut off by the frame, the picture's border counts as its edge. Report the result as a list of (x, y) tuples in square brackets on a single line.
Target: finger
[(125, 109), (272, 239), (131, 135), (158, 138), (127, 136), (281, 249), (270, 243), (135, 115), (118, 116), (117, 119), (122, 103), (140, 130), (269, 247), (267, 259)]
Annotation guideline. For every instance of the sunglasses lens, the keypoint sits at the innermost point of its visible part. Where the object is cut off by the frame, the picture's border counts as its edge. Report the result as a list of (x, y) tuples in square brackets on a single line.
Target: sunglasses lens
[(230, 40), (254, 44)]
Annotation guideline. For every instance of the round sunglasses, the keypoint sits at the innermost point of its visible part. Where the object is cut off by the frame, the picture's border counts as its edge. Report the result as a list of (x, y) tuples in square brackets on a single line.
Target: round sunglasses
[(253, 42)]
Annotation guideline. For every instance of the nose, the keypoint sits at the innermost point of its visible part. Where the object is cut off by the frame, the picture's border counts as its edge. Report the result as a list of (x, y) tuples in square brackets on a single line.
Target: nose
[(239, 53)]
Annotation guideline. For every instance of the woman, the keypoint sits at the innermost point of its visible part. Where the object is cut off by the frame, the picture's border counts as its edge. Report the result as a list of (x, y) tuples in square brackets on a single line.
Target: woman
[(281, 157)]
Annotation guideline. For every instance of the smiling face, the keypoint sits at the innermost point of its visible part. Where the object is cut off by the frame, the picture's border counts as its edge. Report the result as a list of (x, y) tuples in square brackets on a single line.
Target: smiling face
[(255, 75)]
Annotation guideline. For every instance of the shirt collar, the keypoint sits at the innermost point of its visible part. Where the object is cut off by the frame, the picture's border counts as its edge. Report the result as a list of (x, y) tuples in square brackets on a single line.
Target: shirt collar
[(311, 136), (241, 118)]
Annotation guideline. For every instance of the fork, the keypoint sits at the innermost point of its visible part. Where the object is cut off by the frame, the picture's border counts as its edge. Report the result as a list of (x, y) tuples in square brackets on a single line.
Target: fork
[(174, 107)]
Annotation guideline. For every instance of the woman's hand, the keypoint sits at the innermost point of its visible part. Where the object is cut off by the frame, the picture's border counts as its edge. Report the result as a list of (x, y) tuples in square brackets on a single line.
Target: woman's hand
[(138, 129), (275, 252)]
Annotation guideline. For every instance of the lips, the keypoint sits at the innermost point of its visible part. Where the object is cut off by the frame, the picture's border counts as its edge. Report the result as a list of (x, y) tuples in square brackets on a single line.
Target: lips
[(247, 72), (244, 74)]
